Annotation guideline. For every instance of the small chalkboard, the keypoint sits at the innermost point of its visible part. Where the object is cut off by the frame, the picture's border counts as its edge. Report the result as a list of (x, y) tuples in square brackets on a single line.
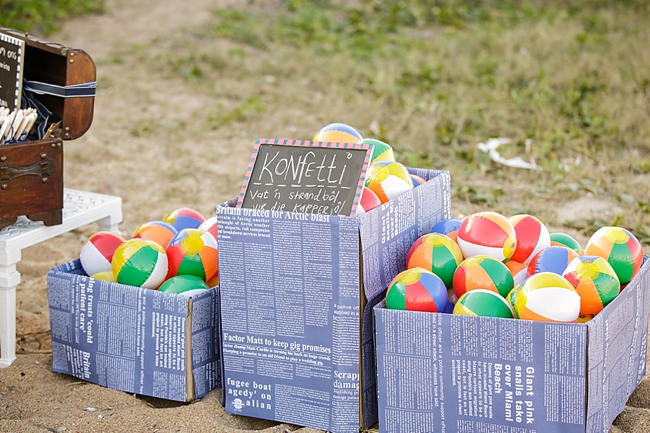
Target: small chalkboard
[(305, 176), (12, 52)]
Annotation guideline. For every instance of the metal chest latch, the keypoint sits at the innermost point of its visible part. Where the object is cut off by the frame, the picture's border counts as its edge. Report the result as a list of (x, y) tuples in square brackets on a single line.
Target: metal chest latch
[(42, 168)]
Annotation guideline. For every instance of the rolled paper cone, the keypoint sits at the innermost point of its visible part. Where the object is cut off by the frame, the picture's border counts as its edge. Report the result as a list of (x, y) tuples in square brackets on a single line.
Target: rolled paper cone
[(18, 118)]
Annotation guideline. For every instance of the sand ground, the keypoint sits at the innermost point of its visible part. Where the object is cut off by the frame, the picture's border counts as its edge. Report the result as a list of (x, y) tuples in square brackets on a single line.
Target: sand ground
[(115, 158)]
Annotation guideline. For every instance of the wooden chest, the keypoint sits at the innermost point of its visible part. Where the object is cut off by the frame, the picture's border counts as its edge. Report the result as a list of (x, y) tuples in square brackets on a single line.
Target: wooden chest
[(62, 80)]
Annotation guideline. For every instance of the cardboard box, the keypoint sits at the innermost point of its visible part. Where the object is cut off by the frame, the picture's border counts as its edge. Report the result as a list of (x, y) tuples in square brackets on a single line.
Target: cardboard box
[(297, 292), (132, 339), (445, 373)]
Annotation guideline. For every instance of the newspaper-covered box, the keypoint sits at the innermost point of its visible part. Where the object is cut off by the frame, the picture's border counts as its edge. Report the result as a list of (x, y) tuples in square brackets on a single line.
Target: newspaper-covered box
[(133, 339), (448, 373), (297, 292)]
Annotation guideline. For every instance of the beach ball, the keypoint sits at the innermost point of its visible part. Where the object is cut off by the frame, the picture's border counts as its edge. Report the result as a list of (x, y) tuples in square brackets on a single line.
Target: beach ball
[(447, 227), (547, 297), (184, 218), (417, 290), (158, 231), (183, 283), (210, 226), (487, 233), (338, 133), (417, 180), (532, 237), (594, 280), (214, 281), (511, 299), (380, 151), (140, 262), (483, 303), (436, 253), (519, 271), (96, 255), (388, 180), (368, 201), (551, 259), (584, 318), (482, 272), (620, 248), (563, 239), (193, 252), (105, 276)]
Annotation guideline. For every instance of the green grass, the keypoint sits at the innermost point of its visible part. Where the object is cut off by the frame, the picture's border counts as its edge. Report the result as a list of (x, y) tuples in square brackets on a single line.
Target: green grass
[(43, 16)]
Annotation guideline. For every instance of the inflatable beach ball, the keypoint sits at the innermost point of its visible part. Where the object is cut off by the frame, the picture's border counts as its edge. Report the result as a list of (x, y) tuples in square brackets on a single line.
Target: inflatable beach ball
[(436, 253), (447, 227), (140, 262), (96, 255), (519, 271), (547, 297), (551, 259), (511, 299), (105, 276), (620, 248), (417, 290), (158, 231), (417, 180), (182, 284), (594, 280), (193, 252), (184, 218), (483, 303), (210, 226), (338, 133), (563, 239), (532, 237), (487, 233), (482, 272), (380, 151), (368, 201), (388, 180)]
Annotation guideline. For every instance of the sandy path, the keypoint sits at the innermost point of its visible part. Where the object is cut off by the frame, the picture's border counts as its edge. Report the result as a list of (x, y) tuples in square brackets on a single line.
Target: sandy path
[(148, 144)]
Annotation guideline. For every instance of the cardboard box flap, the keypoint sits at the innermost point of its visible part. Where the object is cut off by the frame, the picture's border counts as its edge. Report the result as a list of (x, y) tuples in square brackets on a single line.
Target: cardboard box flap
[(616, 353), (388, 232), (71, 71)]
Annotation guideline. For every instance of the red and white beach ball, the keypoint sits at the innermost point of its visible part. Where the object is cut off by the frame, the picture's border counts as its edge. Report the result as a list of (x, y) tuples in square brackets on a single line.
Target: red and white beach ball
[(97, 254), (487, 233), (532, 237)]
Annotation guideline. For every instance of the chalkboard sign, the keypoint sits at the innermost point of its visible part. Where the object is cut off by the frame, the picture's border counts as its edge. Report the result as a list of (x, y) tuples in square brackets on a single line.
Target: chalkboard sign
[(12, 52), (305, 176)]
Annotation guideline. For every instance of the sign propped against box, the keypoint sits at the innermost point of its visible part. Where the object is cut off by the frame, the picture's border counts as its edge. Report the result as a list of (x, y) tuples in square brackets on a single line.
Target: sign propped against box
[(305, 176), (12, 52)]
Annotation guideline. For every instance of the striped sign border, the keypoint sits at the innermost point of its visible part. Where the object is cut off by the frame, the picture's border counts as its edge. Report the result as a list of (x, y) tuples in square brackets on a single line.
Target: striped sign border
[(20, 45), (307, 143)]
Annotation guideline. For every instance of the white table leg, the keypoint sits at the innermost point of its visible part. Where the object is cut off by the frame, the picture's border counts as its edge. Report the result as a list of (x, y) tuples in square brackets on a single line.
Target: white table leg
[(9, 279), (111, 222)]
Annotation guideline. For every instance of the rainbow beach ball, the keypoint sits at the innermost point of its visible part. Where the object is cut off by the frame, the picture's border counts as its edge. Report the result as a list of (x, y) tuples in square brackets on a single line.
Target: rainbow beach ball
[(417, 290), (193, 252), (532, 237), (417, 180), (210, 226), (482, 272), (447, 227), (547, 297), (368, 201), (105, 276), (563, 239), (551, 259), (511, 299), (184, 218), (483, 303), (183, 284), (436, 253), (380, 151), (594, 280), (158, 231), (96, 255), (338, 133), (620, 248), (388, 179), (139, 262), (487, 233)]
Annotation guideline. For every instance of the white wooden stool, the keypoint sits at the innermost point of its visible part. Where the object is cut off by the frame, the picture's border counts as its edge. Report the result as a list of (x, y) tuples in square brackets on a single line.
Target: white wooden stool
[(79, 208)]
